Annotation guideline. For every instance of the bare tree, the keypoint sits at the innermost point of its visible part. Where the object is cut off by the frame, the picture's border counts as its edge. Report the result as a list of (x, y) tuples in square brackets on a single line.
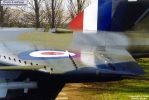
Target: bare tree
[(1, 15), (53, 5), (3, 12), (16, 18), (76, 6), (54, 12), (37, 13), (35, 5)]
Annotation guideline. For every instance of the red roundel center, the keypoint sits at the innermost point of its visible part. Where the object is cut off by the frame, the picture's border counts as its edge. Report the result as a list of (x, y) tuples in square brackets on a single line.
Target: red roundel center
[(52, 53)]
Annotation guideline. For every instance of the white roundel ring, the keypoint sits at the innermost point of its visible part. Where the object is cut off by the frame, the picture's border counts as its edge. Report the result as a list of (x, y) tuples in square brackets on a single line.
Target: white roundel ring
[(52, 54)]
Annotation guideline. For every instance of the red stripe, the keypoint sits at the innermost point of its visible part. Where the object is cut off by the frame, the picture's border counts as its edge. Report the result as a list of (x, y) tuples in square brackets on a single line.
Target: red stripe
[(77, 23), (52, 53)]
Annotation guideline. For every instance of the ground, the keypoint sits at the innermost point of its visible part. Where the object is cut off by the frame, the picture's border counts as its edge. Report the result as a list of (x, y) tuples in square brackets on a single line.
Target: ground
[(130, 89)]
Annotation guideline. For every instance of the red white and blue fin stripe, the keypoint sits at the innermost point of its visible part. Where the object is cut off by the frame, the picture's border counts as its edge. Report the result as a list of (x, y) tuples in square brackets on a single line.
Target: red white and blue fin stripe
[(110, 15), (95, 17)]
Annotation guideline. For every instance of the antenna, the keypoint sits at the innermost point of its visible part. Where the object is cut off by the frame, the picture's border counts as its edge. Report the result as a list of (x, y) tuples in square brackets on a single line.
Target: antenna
[(142, 16), (73, 62)]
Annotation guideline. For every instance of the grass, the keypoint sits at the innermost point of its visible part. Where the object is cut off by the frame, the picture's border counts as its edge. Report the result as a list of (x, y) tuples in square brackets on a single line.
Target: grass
[(129, 89)]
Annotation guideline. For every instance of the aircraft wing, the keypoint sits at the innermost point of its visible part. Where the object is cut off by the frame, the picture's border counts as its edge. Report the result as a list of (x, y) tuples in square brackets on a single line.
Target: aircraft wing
[(119, 61), (47, 69), (106, 54), (111, 61)]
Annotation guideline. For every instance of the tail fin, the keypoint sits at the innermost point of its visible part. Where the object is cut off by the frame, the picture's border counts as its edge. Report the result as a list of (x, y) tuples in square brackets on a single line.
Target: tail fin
[(91, 20), (110, 15)]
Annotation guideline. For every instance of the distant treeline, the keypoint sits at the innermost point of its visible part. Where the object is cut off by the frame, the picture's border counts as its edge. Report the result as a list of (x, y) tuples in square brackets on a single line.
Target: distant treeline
[(41, 13)]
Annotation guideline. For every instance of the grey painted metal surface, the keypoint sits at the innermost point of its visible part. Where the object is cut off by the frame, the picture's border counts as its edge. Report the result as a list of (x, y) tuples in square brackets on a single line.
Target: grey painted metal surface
[(11, 34)]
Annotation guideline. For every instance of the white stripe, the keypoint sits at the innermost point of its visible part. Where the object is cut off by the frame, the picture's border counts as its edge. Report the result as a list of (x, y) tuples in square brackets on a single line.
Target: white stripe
[(39, 54), (91, 17)]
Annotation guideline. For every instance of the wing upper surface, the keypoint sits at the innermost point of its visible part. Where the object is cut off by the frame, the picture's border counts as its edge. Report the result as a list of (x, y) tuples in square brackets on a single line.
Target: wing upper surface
[(111, 60)]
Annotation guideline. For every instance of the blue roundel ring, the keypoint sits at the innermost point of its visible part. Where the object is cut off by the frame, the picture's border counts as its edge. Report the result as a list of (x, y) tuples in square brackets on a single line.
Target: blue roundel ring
[(41, 55)]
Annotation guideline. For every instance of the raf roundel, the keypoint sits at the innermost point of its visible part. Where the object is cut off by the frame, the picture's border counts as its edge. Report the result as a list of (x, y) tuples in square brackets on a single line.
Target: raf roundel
[(46, 55), (51, 54)]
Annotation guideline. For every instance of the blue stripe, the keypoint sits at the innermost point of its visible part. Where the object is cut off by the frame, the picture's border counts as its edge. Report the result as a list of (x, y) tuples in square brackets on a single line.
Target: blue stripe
[(104, 15), (26, 56)]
